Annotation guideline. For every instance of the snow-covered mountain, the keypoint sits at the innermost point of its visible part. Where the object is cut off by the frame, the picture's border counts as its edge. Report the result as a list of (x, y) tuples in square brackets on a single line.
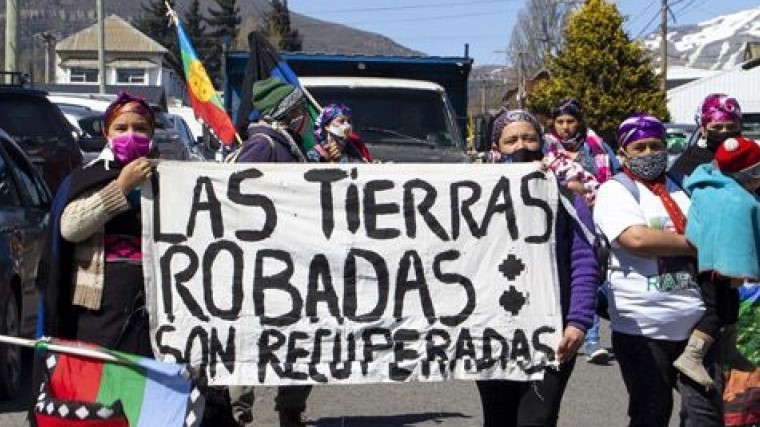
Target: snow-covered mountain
[(715, 44)]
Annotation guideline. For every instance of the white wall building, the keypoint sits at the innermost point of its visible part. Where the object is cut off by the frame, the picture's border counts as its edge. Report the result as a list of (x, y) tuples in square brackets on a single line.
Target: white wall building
[(131, 58), (742, 84)]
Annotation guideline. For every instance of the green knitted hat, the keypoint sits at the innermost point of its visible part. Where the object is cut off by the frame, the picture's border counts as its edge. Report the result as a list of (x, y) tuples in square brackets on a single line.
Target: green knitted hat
[(273, 97)]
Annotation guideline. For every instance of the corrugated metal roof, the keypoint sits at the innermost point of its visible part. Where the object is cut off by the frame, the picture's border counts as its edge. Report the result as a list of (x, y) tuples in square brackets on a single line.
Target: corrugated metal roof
[(120, 36), (742, 84)]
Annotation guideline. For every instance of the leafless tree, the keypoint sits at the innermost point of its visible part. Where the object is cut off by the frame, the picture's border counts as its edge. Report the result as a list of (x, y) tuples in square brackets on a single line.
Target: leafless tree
[(538, 33)]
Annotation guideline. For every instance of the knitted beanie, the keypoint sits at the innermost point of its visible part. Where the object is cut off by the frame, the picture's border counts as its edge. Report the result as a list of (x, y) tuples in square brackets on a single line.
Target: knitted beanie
[(274, 97), (570, 106), (737, 154)]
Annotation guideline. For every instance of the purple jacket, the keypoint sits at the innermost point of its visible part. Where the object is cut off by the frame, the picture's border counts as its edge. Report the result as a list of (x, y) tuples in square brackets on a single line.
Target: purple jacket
[(265, 144), (577, 266)]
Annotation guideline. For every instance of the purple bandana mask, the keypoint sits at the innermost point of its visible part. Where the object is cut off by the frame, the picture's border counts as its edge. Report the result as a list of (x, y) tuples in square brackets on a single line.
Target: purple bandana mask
[(130, 146)]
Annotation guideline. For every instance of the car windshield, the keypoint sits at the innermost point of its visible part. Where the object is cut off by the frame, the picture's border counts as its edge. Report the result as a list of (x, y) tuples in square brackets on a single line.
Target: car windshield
[(31, 117), (393, 116)]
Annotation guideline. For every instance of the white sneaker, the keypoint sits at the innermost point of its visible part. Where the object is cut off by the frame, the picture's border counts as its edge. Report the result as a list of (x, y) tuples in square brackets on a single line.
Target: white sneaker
[(600, 355)]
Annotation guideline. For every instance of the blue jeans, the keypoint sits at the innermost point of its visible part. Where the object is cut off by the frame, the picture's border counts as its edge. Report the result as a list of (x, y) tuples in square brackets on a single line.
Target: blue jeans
[(592, 333)]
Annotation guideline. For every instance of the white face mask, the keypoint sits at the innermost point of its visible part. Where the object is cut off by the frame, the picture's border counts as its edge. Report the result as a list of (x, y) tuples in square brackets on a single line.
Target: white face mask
[(340, 131)]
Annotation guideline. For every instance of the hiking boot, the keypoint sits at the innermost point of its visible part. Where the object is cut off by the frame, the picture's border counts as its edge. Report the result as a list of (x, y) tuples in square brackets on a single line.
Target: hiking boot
[(291, 418), (691, 361), (596, 354)]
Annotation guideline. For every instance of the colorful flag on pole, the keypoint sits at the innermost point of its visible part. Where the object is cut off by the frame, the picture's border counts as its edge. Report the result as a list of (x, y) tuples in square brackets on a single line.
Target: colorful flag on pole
[(83, 391), (263, 62), (205, 100)]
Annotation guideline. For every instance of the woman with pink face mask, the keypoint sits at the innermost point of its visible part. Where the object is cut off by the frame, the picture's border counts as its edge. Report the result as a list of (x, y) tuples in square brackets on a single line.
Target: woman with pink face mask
[(94, 286)]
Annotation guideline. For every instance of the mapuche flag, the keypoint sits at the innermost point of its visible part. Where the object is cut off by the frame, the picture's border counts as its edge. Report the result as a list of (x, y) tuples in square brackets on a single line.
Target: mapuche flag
[(263, 62), (133, 391), (205, 101)]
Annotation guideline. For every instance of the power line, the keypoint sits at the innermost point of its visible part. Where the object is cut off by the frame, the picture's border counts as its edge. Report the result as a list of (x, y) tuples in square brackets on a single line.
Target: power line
[(418, 6), (646, 27), (657, 14)]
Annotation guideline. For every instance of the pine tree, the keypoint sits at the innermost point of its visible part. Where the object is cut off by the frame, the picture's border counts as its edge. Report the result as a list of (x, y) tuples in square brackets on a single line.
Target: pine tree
[(278, 27), (155, 24), (599, 65), (224, 24)]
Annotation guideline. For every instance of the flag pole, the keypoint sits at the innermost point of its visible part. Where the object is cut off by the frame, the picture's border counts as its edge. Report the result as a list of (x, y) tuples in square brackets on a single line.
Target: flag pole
[(61, 348), (174, 19)]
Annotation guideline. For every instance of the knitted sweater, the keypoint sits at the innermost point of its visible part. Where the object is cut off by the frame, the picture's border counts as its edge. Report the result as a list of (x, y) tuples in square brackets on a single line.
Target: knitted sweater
[(82, 222), (723, 224)]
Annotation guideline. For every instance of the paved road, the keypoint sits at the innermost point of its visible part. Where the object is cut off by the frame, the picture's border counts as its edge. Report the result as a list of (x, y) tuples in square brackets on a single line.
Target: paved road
[(595, 397)]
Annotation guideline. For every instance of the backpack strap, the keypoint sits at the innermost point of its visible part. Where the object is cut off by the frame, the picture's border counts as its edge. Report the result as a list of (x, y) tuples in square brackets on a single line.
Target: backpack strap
[(277, 133), (566, 198), (629, 185)]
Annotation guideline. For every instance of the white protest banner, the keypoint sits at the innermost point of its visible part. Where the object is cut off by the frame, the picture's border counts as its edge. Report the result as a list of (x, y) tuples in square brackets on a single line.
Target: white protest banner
[(307, 273)]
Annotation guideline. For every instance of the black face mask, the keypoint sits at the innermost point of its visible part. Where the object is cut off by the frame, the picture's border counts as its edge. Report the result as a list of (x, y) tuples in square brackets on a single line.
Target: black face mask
[(715, 138), (524, 155)]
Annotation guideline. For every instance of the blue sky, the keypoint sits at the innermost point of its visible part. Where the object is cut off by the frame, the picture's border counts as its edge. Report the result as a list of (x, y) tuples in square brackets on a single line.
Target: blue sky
[(443, 27)]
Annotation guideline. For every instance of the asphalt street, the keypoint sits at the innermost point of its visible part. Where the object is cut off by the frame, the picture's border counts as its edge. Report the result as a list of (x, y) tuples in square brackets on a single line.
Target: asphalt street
[(595, 397)]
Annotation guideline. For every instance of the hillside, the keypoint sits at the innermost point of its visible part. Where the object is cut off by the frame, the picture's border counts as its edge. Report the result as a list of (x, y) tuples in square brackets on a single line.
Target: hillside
[(64, 17), (715, 44)]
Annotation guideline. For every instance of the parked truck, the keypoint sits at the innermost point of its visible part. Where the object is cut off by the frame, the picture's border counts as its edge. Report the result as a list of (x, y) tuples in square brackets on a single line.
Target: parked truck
[(407, 109)]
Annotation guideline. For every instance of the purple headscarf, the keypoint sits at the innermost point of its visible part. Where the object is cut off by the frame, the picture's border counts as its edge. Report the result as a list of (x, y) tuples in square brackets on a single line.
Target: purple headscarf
[(639, 126), (329, 112), (505, 117), (126, 103), (718, 107)]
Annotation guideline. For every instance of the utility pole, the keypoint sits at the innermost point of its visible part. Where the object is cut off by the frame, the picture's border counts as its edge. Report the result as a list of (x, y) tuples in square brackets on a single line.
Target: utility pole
[(47, 37), (34, 56), (520, 80), (483, 89), (664, 45), (11, 38), (101, 49), (506, 75), (48, 40)]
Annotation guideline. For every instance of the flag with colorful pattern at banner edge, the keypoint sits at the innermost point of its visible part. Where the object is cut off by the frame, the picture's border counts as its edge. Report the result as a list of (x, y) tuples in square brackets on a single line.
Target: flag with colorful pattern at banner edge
[(204, 99)]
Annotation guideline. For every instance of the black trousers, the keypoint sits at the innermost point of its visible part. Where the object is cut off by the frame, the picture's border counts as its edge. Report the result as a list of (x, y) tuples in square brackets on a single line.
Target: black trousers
[(721, 304), (515, 403), (649, 376)]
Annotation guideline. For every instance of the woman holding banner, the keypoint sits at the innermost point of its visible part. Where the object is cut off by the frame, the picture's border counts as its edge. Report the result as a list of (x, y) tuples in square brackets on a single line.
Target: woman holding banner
[(517, 135), (95, 287)]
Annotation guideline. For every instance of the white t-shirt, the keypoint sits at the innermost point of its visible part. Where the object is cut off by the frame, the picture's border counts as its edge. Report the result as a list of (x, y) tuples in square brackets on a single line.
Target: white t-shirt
[(655, 297)]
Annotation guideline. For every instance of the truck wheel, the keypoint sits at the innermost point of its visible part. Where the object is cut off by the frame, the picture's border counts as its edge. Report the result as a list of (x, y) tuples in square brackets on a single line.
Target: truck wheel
[(10, 355)]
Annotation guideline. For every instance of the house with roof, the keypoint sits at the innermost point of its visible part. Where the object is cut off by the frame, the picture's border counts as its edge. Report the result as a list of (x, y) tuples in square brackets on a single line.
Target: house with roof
[(741, 82), (133, 62)]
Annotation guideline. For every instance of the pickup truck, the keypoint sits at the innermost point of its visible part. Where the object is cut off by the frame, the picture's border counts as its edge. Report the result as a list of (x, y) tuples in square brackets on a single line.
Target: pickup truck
[(407, 109)]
